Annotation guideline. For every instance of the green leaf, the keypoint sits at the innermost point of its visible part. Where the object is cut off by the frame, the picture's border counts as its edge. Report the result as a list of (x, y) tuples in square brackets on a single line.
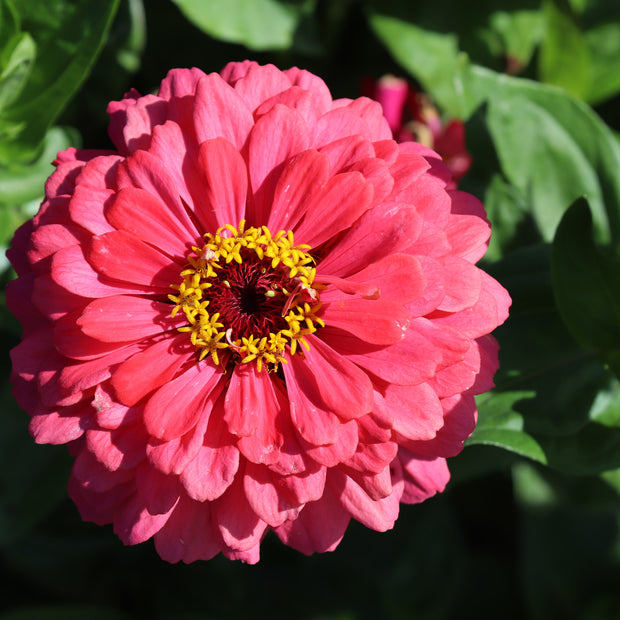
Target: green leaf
[(553, 402), (564, 58), (69, 35), (519, 32), (9, 22), (586, 284), (16, 60), (604, 46), (552, 147), (500, 425), (257, 24), (20, 183), (433, 58)]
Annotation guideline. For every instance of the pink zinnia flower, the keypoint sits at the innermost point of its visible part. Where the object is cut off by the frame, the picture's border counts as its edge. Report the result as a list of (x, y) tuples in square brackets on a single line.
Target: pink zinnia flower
[(411, 115), (259, 313)]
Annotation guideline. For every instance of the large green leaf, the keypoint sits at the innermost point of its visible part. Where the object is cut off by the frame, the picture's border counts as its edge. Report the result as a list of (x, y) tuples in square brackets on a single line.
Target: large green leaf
[(554, 402), (433, 58), (586, 283), (257, 24), (550, 145), (564, 58), (20, 183), (604, 45), (16, 60), (68, 35)]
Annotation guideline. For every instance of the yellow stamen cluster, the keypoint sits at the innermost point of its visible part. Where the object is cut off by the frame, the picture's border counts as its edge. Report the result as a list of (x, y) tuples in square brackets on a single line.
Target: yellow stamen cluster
[(299, 297)]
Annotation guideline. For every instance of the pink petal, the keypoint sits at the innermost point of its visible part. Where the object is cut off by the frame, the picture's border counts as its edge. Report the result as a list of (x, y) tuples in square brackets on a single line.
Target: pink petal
[(397, 277), (86, 208), (310, 415), (71, 271), (263, 445), (132, 120), (248, 392), (225, 180), (55, 428), (238, 524), (378, 515), (150, 368), (133, 523), (260, 83), (275, 138), (469, 229), (333, 208), (301, 176), (372, 114), (49, 239), (188, 534), (416, 410), (145, 171), (433, 293), (176, 407), (343, 153), (374, 320), (341, 385), (213, 469), (121, 256), (377, 173), (462, 283), (407, 362), (365, 242), (121, 449), (295, 98), (72, 342), (460, 417), (139, 212), (124, 318), (319, 527), (321, 96), (484, 316), (265, 499), (373, 457), (98, 507), (160, 492), (96, 477), (423, 477), (340, 123), (219, 111), (338, 452), (172, 457)]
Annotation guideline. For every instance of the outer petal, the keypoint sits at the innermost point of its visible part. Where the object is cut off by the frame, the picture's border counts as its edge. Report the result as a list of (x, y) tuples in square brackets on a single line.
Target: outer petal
[(319, 527), (423, 476), (188, 534)]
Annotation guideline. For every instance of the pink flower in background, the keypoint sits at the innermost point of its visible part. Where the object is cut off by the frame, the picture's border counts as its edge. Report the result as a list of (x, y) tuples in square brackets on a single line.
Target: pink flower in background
[(258, 313), (412, 116)]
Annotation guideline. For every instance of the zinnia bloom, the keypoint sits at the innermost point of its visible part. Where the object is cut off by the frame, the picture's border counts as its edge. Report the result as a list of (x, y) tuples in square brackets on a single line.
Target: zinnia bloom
[(411, 115), (259, 313)]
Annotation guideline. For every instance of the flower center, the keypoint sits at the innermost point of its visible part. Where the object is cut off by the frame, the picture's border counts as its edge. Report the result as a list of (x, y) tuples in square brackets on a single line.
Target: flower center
[(249, 292)]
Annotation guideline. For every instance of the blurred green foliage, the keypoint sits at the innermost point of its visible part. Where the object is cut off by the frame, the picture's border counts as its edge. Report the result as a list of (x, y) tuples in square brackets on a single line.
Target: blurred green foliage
[(529, 527)]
